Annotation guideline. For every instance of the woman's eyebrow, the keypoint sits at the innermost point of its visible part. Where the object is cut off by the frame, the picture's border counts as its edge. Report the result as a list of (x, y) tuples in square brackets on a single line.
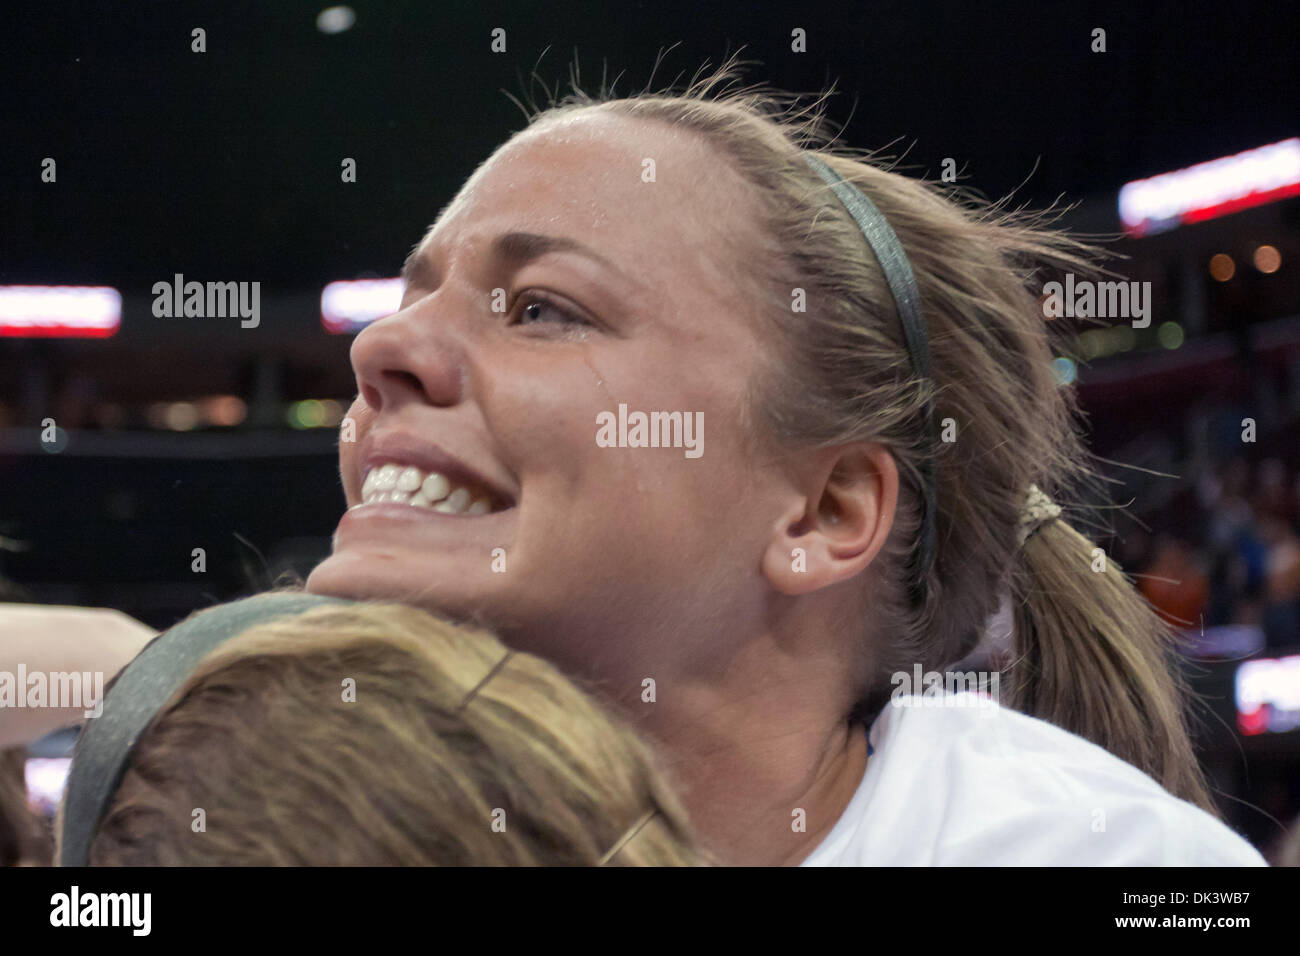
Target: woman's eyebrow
[(515, 249), (417, 270), (519, 248)]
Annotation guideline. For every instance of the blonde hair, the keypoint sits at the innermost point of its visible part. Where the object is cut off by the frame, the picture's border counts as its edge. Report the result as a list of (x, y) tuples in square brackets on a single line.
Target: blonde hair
[(452, 752), (1091, 655)]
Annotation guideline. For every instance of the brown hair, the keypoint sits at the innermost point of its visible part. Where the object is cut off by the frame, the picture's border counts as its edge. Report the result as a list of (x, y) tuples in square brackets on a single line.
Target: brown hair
[(450, 753), (1091, 655)]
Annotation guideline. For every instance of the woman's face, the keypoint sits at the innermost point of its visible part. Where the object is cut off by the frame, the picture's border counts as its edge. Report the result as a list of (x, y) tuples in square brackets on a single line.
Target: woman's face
[(614, 291)]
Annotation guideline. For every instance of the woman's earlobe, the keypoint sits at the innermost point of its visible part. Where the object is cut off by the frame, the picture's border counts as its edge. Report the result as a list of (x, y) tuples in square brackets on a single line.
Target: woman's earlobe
[(794, 565)]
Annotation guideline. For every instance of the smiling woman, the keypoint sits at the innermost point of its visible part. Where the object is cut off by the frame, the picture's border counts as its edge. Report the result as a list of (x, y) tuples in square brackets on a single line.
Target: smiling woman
[(748, 609), (765, 594)]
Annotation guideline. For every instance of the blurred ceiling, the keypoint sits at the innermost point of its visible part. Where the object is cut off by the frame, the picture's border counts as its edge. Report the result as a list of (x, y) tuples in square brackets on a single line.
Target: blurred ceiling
[(227, 163)]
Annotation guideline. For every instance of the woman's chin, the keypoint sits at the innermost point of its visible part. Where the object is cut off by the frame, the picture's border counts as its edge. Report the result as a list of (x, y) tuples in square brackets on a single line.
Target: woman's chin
[(361, 576)]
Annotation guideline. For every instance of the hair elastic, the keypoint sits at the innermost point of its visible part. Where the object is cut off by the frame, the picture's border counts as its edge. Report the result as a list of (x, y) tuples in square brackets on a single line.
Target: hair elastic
[(907, 298), (627, 836), (1037, 511), (496, 669)]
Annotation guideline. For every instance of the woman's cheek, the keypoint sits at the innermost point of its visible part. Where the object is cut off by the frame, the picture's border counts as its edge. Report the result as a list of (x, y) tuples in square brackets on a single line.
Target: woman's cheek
[(353, 428)]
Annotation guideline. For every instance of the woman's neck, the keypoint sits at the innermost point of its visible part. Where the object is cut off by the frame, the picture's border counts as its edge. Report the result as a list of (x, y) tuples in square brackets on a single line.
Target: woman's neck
[(763, 784)]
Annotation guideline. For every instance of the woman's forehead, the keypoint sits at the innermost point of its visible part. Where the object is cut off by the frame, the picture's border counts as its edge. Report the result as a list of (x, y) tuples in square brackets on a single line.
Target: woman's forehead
[(637, 188)]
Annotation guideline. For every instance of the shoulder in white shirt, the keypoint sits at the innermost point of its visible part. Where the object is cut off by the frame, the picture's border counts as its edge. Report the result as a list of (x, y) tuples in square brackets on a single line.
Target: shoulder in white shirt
[(960, 781)]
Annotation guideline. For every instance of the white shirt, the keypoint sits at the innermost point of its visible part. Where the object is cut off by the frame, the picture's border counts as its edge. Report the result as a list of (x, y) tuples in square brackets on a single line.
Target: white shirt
[(959, 781)]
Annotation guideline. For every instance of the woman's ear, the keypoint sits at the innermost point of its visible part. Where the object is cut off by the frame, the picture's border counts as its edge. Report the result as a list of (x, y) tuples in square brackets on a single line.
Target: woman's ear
[(838, 525)]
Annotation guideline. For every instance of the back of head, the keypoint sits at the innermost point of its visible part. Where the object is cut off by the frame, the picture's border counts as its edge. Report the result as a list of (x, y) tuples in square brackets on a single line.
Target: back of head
[(378, 734)]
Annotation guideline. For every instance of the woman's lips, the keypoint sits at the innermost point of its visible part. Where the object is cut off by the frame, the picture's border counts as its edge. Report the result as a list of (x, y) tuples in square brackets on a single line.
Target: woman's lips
[(379, 517)]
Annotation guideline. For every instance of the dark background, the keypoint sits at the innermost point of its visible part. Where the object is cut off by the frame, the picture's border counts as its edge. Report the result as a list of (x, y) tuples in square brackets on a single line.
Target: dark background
[(225, 166), (227, 162)]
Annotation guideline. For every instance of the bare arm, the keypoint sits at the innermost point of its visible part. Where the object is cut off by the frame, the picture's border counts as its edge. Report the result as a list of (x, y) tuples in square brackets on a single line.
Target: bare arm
[(45, 639)]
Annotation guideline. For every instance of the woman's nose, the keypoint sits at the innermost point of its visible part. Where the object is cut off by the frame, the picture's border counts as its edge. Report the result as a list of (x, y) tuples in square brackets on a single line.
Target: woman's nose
[(411, 356)]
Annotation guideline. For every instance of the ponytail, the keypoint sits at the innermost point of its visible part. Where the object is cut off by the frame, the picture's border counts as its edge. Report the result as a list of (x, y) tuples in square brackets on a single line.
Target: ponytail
[(1093, 657)]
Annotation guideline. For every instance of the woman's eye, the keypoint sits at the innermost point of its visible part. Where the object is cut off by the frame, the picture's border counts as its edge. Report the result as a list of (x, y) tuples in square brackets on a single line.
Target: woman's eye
[(532, 309)]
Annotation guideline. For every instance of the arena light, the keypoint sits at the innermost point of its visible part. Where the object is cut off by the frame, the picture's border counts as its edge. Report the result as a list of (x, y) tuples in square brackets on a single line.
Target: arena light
[(349, 306), (1268, 695), (224, 411), (335, 19), (1065, 369), (315, 413), (1215, 188), (1267, 259), (59, 311), (1170, 335), (1222, 268)]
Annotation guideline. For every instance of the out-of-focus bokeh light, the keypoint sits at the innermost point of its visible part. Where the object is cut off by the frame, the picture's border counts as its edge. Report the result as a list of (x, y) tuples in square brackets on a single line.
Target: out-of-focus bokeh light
[(306, 414), (225, 410), (333, 412), (315, 413), (1267, 259), (1170, 335), (1222, 268), (1092, 343), (1065, 370), (1099, 343), (335, 19), (181, 416), (60, 311), (349, 305)]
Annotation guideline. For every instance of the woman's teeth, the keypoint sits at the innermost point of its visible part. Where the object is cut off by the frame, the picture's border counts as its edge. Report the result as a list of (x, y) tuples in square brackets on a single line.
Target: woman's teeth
[(404, 484)]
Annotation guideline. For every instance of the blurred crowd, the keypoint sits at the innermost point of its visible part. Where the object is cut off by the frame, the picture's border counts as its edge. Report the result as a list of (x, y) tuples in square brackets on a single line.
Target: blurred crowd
[(1240, 563)]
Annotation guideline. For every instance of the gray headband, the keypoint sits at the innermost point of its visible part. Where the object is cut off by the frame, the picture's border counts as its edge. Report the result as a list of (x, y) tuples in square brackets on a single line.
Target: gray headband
[(106, 743), (907, 299)]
